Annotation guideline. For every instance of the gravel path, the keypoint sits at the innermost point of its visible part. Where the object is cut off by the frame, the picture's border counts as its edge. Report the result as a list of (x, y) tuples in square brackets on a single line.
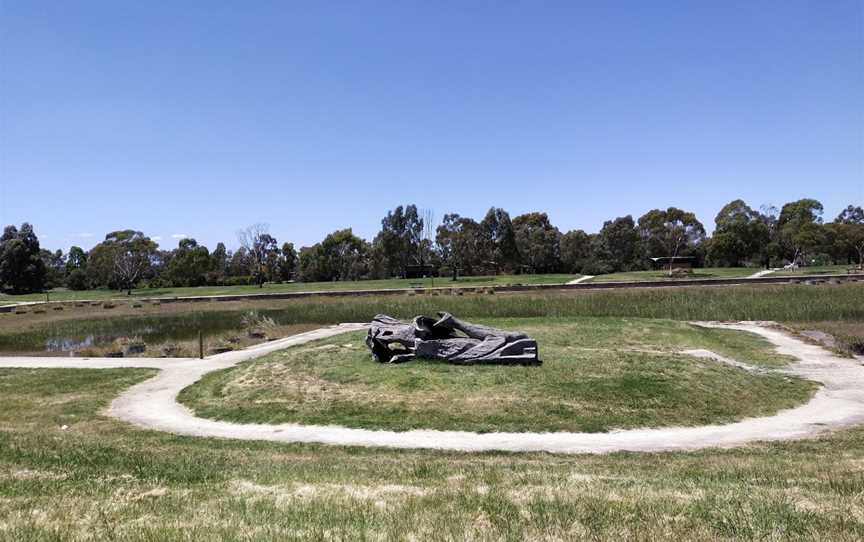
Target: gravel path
[(152, 405), (581, 279)]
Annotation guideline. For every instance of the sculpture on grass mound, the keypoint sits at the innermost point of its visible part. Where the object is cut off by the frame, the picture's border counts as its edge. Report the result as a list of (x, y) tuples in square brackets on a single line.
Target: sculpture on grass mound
[(448, 339)]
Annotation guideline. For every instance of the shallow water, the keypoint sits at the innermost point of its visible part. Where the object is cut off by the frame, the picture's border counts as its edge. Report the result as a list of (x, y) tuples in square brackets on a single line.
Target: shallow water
[(71, 336)]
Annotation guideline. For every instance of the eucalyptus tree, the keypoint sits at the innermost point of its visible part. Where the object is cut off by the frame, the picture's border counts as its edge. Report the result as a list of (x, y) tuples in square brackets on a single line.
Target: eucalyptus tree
[(740, 234), (575, 251), (851, 215), (500, 240), (538, 242), (673, 232), (800, 228), (260, 248), (22, 269), (121, 260), (459, 242), (616, 247), (400, 238)]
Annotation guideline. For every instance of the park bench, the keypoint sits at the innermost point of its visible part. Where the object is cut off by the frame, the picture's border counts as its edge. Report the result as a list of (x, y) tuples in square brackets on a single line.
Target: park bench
[(415, 284), (854, 269)]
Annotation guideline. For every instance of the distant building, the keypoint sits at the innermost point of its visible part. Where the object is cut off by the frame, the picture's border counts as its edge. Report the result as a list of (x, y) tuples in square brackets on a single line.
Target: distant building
[(673, 262)]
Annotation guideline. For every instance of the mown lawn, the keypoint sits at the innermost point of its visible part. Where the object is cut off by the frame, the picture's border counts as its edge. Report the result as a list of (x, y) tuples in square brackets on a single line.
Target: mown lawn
[(814, 270), (497, 280), (598, 374), (104, 480), (700, 273)]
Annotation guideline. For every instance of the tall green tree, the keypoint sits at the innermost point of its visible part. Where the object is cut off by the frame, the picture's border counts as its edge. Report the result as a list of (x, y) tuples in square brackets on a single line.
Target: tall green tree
[(55, 268), (460, 242), (189, 264), (219, 260), (575, 250), (400, 238), (844, 241), (121, 260), (22, 269), (76, 269), (538, 242), (261, 249), (499, 239), (287, 261), (673, 232), (740, 235), (851, 215), (855, 235), (617, 247), (240, 263), (799, 228), (340, 256)]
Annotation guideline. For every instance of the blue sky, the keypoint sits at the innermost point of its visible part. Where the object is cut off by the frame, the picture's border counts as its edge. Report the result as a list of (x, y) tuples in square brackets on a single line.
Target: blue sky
[(185, 118)]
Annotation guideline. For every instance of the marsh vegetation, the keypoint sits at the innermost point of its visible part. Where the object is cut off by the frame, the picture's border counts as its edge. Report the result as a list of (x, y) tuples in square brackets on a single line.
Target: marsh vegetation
[(158, 323)]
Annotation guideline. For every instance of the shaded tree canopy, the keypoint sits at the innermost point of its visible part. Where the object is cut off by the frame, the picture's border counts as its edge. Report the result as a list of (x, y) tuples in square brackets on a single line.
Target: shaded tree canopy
[(538, 242), (575, 251), (121, 260), (499, 240), (261, 250), (460, 242), (673, 232), (740, 235), (340, 256), (799, 228), (189, 264), (617, 247), (851, 215), (400, 238), (22, 269)]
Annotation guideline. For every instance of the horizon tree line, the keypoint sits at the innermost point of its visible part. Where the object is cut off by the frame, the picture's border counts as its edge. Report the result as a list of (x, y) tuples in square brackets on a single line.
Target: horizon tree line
[(410, 242)]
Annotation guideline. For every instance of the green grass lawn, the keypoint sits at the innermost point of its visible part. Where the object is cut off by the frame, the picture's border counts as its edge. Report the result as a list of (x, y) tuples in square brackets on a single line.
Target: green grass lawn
[(700, 273), (813, 270), (103, 479), (598, 374), (497, 280), (100, 479)]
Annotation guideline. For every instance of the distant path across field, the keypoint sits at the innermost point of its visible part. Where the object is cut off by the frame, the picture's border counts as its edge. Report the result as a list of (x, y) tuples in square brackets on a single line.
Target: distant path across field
[(581, 279), (762, 273), (152, 404)]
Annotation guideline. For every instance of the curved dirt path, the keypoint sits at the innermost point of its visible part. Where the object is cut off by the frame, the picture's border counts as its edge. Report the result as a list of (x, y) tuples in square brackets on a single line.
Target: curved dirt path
[(152, 404)]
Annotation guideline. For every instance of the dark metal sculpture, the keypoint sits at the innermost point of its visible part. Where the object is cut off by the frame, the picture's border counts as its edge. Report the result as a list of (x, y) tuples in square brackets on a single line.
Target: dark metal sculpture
[(449, 339)]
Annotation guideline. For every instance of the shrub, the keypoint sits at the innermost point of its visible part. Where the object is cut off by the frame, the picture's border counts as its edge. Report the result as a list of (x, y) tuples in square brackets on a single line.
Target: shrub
[(596, 267), (77, 280)]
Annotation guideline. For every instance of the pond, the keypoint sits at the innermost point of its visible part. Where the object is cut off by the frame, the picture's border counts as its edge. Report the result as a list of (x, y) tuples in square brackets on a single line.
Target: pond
[(70, 336)]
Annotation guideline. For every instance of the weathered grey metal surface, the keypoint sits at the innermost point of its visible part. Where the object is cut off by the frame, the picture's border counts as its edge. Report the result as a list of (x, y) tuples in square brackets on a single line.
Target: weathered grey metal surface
[(448, 339)]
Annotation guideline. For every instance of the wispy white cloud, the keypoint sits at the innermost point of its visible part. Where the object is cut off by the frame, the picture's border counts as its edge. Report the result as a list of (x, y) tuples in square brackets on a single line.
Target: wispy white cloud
[(156, 238), (85, 235), (179, 235)]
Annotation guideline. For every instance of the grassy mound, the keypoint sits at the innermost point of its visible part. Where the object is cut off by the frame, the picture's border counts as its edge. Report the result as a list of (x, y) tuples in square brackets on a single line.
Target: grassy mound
[(598, 374)]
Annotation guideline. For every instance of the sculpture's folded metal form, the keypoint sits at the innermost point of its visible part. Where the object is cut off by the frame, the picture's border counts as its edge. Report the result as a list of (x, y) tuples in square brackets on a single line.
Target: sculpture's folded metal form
[(449, 339)]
